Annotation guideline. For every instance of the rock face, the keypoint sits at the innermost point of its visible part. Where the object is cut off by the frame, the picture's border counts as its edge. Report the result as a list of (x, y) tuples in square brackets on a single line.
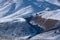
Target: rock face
[(47, 19), (46, 24)]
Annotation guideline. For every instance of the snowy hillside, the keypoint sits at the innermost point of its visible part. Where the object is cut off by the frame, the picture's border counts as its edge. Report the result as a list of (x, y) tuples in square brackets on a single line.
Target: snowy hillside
[(15, 16)]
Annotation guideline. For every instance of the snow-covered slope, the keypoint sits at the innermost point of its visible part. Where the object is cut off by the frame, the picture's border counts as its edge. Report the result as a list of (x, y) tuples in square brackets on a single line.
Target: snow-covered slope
[(13, 12), (55, 15), (51, 35), (13, 7), (56, 2), (17, 27)]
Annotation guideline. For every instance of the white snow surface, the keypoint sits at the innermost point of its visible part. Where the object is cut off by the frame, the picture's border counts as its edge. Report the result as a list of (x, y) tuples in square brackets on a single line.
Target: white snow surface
[(51, 14), (56, 2)]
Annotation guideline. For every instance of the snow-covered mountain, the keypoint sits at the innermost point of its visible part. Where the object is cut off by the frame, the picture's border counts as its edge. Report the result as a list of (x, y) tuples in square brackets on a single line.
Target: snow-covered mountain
[(14, 16), (11, 7)]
